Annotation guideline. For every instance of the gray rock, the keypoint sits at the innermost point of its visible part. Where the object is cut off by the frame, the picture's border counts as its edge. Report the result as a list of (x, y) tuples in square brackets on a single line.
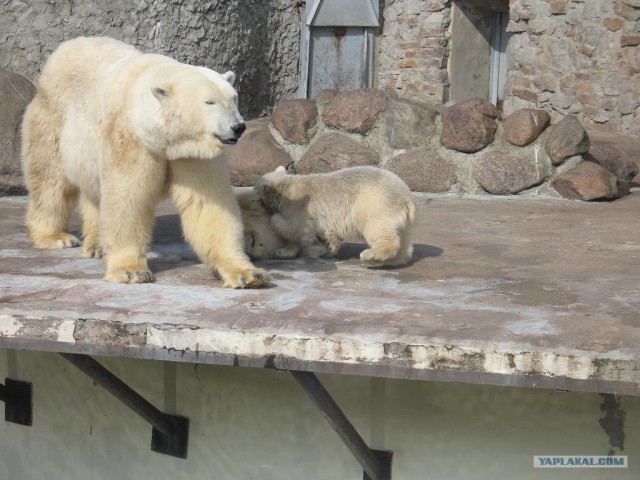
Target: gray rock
[(409, 123), (335, 151), (424, 171), (568, 138), (524, 126), (613, 159), (16, 92), (501, 172), (294, 118), (469, 126), (587, 181), (355, 111), (255, 154)]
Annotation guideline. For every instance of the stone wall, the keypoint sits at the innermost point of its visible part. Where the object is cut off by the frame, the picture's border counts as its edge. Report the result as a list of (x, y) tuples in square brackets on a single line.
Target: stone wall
[(260, 41), (413, 49), (579, 57), (469, 148)]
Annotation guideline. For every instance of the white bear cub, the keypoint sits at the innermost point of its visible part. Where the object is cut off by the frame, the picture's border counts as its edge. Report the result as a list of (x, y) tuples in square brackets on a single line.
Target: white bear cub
[(354, 204)]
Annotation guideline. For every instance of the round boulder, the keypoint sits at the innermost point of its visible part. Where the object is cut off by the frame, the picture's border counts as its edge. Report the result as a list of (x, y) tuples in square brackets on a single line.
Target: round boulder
[(333, 152), (424, 171), (355, 111), (469, 126), (501, 172), (294, 118), (255, 154)]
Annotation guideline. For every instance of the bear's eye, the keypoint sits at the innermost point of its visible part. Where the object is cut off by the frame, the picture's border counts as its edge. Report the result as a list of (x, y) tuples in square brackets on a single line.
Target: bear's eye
[(210, 102)]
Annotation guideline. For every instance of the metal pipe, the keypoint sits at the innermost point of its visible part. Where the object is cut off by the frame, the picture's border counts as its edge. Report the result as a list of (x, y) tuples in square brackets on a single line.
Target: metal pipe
[(340, 423), (122, 392)]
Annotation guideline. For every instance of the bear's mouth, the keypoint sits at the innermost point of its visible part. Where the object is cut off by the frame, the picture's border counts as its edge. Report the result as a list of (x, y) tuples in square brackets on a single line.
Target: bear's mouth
[(228, 141)]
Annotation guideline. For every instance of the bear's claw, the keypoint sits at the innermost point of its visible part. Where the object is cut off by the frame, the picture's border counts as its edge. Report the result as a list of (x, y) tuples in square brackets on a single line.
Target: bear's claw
[(248, 279), (127, 276), (92, 252), (56, 241)]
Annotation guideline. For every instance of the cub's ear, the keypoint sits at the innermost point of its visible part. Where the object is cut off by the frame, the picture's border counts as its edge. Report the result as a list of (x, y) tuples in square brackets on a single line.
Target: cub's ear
[(229, 77), (161, 91), (267, 194), (280, 170)]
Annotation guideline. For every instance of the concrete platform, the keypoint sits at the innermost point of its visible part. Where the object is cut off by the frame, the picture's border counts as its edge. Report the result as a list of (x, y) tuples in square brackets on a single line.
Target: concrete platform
[(508, 291)]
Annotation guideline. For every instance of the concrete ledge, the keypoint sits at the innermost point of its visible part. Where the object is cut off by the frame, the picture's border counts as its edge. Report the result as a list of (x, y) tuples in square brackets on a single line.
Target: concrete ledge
[(506, 291)]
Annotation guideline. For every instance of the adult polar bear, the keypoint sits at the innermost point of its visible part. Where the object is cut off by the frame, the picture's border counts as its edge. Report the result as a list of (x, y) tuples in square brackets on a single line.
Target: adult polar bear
[(119, 129)]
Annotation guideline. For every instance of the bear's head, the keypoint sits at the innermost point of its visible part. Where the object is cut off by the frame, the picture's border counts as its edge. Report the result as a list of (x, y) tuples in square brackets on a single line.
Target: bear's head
[(195, 115), (268, 189), (260, 239)]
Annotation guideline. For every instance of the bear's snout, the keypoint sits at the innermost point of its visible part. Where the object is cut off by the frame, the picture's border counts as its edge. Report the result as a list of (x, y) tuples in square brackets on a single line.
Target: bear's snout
[(238, 129)]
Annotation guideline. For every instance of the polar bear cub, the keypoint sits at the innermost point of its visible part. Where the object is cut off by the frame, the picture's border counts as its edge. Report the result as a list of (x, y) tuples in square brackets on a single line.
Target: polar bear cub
[(119, 129), (354, 204)]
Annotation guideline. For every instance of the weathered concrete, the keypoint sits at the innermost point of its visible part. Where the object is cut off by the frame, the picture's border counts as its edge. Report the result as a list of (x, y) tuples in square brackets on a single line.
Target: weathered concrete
[(261, 43), (535, 292)]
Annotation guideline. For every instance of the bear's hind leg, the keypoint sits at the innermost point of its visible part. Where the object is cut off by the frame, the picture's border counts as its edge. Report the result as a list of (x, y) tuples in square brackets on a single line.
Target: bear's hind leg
[(51, 196), (90, 219)]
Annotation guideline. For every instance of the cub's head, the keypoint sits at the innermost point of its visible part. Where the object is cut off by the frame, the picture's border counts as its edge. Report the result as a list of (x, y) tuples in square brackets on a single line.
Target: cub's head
[(196, 113), (268, 188), (260, 239)]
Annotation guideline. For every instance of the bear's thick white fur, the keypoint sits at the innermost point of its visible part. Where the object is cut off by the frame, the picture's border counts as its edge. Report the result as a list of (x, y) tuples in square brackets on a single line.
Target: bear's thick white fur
[(260, 239), (354, 204), (118, 129)]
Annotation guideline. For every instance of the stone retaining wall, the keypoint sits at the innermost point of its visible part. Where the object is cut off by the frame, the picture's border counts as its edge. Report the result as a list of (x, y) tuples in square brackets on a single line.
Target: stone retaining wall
[(469, 148)]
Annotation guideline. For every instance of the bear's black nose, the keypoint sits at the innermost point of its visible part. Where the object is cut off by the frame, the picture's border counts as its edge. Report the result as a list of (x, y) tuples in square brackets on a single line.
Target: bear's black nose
[(238, 129)]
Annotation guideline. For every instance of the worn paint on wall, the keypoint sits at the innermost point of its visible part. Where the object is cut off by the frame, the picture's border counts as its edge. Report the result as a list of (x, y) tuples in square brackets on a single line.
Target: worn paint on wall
[(252, 423)]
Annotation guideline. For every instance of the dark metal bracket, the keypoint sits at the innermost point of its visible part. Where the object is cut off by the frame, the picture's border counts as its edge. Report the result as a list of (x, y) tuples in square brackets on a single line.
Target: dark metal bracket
[(18, 405), (376, 463), (170, 433)]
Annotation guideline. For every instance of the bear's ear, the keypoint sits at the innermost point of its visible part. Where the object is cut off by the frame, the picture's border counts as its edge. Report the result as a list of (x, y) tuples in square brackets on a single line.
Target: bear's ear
[(229, 77), (280, 170), (161, 92)]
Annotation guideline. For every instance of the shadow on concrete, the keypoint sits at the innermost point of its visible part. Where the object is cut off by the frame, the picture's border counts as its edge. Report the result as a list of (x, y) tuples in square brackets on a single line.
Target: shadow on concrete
[(168, 232)]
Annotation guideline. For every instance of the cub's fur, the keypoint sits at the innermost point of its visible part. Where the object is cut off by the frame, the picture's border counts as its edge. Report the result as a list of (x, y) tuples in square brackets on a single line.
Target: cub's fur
[(354, 204)]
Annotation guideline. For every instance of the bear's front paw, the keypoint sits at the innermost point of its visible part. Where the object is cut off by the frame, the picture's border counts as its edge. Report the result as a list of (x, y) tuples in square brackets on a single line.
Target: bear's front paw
[(248, 278), (56, 241), (124, 275)]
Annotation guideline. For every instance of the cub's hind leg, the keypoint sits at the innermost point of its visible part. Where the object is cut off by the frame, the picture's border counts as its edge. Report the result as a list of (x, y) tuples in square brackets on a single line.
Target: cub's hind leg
[(384, 243), (52, 197)]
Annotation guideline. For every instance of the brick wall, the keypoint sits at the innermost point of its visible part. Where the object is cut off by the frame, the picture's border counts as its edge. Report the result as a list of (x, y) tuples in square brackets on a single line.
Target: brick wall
[(413, 49), (577, 56)]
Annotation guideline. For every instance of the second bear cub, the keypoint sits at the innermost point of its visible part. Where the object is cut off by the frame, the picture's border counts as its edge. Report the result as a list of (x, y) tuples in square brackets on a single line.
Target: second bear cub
[(354, 204)]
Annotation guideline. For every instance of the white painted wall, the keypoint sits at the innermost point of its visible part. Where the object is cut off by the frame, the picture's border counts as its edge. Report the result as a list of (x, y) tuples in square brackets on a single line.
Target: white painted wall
[(258, 424)]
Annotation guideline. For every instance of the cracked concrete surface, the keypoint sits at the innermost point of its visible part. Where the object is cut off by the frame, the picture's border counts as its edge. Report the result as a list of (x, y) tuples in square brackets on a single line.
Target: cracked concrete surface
[(507, 291)]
